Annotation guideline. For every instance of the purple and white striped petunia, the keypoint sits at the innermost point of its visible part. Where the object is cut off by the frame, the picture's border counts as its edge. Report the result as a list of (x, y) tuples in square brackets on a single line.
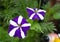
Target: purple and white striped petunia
[(18, 27), (36, 14)]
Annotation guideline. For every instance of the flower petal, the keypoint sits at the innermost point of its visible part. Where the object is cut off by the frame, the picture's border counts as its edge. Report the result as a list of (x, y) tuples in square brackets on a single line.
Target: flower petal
[(18, 33), (25, 29), (20, 19), (36, 17), (42, 13), (15, 30), (41, 17), (30, 9), (32, 16), (41, 10), (12, 32), (26, 24), (13, 23), (22, 33)]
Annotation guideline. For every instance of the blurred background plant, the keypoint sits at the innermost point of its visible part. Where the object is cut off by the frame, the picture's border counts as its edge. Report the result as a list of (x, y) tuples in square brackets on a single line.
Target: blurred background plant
[(12, 8)]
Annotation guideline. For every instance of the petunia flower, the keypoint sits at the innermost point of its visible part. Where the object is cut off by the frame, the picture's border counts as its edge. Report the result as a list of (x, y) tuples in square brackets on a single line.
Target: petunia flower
[(18, 27), (36, 14)]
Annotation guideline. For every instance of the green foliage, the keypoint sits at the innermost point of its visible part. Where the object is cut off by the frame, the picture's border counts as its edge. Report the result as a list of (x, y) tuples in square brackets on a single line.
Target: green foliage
[(30, 21), (47, 27), (12, 8), (51, 11), (56, 15), (32, 36), (4, 37), (36, 26), (44, 27)]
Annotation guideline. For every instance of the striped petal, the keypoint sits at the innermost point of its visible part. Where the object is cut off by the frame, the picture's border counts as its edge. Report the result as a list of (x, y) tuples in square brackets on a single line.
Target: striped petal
[(18, 33), (14, 28), (41, 10), (41, 17), (13, 23), (32, 16), (36, 17), (20, 19), (30, 9), (22, 33), (26, 24), (12, 32), (42, 13), (32, 13)]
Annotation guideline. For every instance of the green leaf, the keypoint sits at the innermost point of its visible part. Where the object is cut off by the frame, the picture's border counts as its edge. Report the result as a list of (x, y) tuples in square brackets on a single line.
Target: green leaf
[(36, 27), (30, 21), (4, 36), (47, 27), (56, 16), (50, 11)]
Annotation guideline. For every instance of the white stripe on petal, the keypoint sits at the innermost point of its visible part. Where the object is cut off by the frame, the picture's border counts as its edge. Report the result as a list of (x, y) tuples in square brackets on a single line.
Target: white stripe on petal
[(12, 32), (20, 19), (30, 9), (41, 17), (32, 16), (26, 24), (22, 33), (41, 10), (13, 23)]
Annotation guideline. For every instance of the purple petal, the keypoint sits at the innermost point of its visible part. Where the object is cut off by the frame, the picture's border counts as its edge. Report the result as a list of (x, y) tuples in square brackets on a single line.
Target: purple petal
[(30, 12), (35, 8), (42, 13), (23, 21), (36, 17), (25, 29), (12, 32), (10, 28), (18, 33), (15, 19), (32, 16)]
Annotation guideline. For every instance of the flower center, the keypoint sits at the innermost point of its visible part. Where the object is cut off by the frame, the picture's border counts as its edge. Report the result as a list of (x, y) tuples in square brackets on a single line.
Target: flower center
[(36, 10), (19, 25)]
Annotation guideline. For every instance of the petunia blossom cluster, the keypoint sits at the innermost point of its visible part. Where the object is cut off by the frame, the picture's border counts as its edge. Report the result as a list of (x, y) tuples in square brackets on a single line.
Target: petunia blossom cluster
[(19, 26)]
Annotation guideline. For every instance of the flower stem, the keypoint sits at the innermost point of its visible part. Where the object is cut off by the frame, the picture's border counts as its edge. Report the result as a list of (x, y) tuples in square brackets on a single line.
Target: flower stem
[(39, 3)]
